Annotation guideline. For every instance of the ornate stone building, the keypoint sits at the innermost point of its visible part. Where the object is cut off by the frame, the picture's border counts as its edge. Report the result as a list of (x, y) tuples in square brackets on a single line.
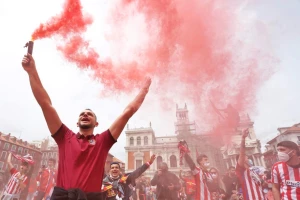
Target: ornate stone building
[(141, 143), (253, 146)]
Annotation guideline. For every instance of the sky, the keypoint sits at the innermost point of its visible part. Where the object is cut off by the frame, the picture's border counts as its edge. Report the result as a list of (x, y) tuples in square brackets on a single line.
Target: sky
[(72, 90)]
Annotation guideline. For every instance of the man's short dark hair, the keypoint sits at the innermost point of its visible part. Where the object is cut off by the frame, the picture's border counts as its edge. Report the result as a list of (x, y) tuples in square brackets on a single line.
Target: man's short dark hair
[(25, 164), (200, 157), (92, 112), (290, 145), (162, 164), (115, 163), (52, 160)]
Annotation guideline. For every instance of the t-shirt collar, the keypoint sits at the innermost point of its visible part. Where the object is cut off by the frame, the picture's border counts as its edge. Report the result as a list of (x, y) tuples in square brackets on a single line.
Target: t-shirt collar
[(80, 136)]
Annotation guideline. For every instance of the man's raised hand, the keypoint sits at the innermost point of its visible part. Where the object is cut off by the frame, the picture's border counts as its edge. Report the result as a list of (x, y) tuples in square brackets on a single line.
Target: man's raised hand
[(152, 159), (28, 63), (245, 133)]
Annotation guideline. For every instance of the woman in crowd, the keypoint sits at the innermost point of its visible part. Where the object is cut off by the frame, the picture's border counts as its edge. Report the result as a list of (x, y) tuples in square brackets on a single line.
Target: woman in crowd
[(216, 186)]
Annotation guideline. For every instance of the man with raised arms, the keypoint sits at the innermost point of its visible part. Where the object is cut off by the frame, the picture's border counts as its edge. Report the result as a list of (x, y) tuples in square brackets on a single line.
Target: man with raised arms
[(81, 155)]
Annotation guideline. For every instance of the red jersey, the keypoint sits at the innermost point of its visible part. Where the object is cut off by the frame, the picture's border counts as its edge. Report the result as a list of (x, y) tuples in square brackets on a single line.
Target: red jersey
[(289, 180), (201, 178), (190, 185), (43, 179), (81, 159), (251, 183), (13, 186)]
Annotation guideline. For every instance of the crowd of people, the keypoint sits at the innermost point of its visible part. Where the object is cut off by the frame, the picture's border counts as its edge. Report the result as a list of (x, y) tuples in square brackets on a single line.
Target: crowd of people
[(80, 174)]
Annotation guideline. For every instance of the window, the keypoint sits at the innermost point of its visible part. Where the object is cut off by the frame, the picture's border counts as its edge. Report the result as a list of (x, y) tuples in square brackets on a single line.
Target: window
[(3, 155), (131, 141), (14, 148), (158, 161), (173, 161), (20, 150), (138, 141), (6, 146), (25, 151), (2, 166), (145, 140), (138, 163)]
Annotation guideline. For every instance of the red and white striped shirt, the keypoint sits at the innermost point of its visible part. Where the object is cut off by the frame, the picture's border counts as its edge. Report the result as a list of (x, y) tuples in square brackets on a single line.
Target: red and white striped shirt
[(13, 186), (201, 178), (251, 183), (289, 180)]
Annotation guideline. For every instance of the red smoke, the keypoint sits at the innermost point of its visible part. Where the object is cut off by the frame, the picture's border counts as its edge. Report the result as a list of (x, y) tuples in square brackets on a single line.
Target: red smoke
[(70, 21), (192, 49)]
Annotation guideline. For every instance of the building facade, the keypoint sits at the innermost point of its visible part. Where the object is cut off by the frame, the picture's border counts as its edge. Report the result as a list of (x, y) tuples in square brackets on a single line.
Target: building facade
[(253, 146), (9, 144), (141, 143), (284, 133), (49, 150)]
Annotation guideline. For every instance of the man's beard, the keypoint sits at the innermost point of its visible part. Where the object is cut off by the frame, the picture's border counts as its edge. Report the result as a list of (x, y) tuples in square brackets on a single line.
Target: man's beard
[(88, 126)]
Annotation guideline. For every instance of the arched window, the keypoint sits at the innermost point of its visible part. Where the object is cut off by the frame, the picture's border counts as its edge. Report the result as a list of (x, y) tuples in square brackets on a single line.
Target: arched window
[(131, 141), (158, 161), (173, 161), (138, 141), (145, 140)]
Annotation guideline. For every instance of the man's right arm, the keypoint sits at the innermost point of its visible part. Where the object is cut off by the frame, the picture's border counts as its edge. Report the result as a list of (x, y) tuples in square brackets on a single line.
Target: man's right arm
[(242, 156), (276, 183), (189, 161), (10, 165), (276, 191), (41, 96)]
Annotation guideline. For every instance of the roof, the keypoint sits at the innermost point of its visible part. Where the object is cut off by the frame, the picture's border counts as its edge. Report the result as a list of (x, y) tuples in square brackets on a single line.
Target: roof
[(18, 142), (293, 129), (117, 160)]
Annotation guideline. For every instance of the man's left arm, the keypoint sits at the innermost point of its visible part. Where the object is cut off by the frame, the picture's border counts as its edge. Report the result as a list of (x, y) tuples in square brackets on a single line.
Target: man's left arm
[(177, 185), (139, 171), (117, 127)]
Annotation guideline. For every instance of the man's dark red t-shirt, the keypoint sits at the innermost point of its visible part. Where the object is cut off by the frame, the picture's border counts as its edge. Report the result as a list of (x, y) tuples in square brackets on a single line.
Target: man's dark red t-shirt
[(81, 159)]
